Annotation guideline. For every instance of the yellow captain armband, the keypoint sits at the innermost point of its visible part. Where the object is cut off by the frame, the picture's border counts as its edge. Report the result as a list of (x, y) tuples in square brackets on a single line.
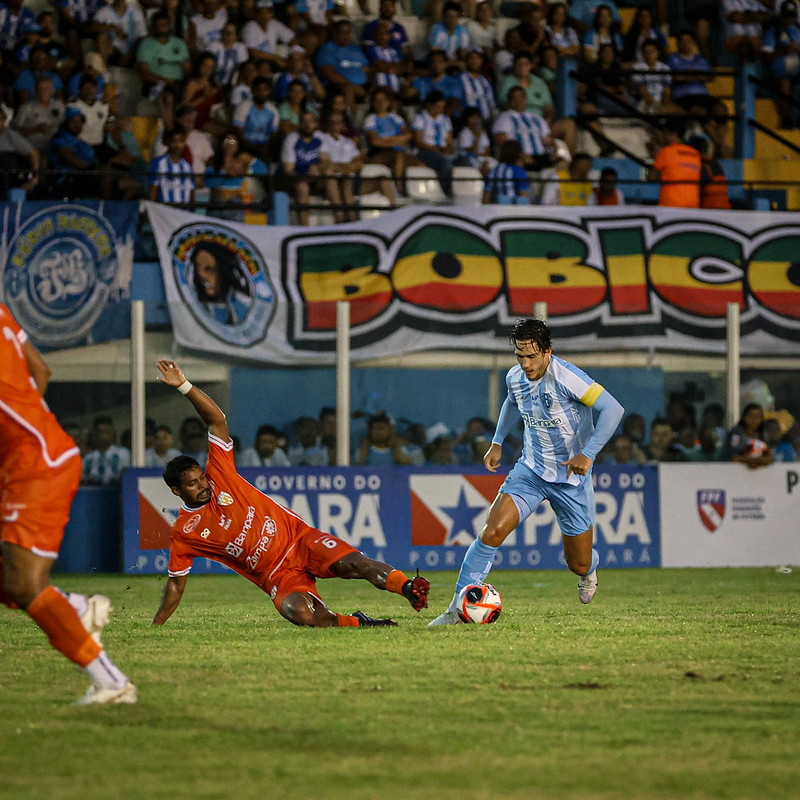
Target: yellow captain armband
[(591, 394)]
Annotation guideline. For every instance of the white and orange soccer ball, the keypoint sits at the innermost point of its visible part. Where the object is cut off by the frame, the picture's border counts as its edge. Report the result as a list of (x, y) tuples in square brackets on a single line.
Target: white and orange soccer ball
[(479, 603)]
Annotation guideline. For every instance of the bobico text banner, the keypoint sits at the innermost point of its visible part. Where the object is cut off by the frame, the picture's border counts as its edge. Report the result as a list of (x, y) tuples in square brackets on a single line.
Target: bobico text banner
[(66, 270), (420, 278), (411, 517)]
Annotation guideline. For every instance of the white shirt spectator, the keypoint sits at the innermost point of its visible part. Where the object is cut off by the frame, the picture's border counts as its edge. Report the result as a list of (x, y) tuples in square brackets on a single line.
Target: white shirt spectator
[(96, 116), (733, 29), (434, 129), (654, 85), (228, 61), (107, 467), (251, 458), (256, 38), (132, 21), (153, 459), (529, 129), (206, 30), (340, 151), (440, 38)]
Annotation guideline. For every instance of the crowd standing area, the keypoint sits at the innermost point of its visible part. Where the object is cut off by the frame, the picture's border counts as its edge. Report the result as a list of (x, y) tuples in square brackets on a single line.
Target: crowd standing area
[(186, 99), (762, 436)]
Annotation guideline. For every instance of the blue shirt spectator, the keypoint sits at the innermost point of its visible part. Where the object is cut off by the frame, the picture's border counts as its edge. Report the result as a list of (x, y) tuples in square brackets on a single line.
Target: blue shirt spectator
[(257, 118), (346, 59), (449, 35), (14, 19)]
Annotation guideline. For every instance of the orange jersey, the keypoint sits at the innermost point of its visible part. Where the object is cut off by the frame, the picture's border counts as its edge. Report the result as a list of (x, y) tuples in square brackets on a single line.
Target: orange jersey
[(678, 166), (239, 527), (25, 419)]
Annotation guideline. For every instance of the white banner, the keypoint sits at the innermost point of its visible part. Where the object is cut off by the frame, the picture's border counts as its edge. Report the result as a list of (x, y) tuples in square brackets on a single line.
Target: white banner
[(727, 515), (421, 278)]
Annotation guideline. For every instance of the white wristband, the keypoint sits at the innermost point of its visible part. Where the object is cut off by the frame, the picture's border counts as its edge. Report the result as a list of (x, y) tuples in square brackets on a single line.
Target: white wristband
[(184, 387)]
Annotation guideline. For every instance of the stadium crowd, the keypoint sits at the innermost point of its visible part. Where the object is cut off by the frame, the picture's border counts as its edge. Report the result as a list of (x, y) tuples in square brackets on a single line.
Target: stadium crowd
[(759, 438), (309, 92)]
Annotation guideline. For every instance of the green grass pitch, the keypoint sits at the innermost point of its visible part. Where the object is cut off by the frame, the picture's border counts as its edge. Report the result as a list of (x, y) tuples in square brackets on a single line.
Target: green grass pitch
[(679, 684)]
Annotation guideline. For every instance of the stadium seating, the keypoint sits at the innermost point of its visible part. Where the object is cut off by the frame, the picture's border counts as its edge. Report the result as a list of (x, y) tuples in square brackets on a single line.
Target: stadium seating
[(467, 186), (423, 186)]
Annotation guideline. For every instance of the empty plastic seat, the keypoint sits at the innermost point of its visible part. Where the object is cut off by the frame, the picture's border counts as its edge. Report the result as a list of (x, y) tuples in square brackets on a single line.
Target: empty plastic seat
[(467, 186), (422, 186)]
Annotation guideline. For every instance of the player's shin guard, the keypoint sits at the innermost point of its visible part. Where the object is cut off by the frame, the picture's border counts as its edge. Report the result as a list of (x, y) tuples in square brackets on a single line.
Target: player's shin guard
[(475, 567), (595, 561), (52, 612)]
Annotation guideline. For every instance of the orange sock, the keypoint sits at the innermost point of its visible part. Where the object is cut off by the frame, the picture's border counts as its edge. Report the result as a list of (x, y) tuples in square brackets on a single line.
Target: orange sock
[(346, 621), (395, 580), (51, 611)]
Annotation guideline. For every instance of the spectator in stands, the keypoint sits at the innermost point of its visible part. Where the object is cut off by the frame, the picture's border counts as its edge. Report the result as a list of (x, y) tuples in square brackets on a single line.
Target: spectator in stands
[(781, 50), (606, 192), (29, 40), (327, 431), (126, 177), (571, 186), (307, 449), (94, 65), (106, 462), (746, 441), (387, 137), (387, 65), (38, 119), (709, 446), (198, 150), (508, 181), (776, 433), (582, 13), (450, 36), (689, 90), (242, 89), (122, 24), (204, 94), (343, 65), (72, 161), (49, 39), (94, 111), (300, 160), (293, 106), (440, 451), (258, 120), (713, 183), (41, 64), (531, 33), (743, 27), (604, 30), (642, 30), (265, 451), (74, 18), (562, 36), (14, 20), (341, 161), (162, 60), (381, 445), (398, 38), (476, 428), (19, 159), (263, 35), (232, 165), (528, 128), (621, 452), (315, 20), (662, 443), (298, 68), (634, 426), (172, 176), (474, 147), (433, 138), (651, 83), (163, 448), (678, 167), (476, 91), (713, 416), (438, 80), (484, 32), (703, 16), (229, 54), (206, 27), (335, 101)]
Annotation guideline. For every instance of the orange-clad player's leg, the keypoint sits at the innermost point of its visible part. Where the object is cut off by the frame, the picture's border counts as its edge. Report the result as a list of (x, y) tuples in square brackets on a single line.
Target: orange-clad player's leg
[(321, 555)]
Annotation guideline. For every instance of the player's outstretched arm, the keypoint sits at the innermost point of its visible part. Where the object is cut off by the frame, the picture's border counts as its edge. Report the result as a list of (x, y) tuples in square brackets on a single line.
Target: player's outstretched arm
[(37, 365), (173, 591), (208, 410)]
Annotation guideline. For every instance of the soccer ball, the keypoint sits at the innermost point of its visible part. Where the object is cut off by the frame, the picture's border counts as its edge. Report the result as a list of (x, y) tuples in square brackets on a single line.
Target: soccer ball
[(479, 603)]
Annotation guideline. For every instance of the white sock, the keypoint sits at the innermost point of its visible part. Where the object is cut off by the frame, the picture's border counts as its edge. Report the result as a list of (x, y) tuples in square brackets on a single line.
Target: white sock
[(104, 672), (80, 602)]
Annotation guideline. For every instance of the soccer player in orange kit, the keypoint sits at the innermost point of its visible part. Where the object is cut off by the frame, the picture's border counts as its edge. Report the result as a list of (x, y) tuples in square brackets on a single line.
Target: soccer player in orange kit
[(228, 520), (40, 470)]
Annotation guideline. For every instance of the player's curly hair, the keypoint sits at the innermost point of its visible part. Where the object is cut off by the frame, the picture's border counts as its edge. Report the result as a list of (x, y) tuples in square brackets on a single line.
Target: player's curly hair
[(177, 467), (531, 330)]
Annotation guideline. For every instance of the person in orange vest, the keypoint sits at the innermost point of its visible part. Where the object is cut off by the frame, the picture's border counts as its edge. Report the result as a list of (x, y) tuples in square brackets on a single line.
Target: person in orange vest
[(606, 192), (678, 167), (713, 184)]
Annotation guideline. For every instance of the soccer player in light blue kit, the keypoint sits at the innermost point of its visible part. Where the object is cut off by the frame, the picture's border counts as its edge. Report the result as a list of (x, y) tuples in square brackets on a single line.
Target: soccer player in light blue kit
[(555, 400)]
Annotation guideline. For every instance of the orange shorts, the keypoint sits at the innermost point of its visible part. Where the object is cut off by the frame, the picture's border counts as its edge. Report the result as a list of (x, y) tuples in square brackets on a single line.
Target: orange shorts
[(310, 557), (35, 500)]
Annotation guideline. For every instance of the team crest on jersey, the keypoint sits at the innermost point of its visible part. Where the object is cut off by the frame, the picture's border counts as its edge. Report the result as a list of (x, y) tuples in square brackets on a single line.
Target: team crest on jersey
[(205, 533), (191, 523), (224, 499), (223, 280), (711, 508), (547, 400)]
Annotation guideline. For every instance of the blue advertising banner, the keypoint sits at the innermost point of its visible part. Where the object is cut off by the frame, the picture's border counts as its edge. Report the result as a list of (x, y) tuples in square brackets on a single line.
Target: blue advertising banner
[(66, 269), (411, 516)]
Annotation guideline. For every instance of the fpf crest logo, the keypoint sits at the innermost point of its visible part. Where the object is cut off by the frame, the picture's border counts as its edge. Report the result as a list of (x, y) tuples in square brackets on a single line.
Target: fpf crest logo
[(711, 508)]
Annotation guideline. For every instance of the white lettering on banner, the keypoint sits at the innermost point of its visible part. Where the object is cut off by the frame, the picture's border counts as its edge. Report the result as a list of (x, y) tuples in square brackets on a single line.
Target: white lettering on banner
[(372, 482), (629, 516), (278, 482), (160, 562)]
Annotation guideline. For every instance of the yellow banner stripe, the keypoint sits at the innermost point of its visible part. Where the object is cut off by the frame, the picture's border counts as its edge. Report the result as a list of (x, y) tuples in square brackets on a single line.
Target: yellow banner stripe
[(591, 394), (412, 271), (771, 276)]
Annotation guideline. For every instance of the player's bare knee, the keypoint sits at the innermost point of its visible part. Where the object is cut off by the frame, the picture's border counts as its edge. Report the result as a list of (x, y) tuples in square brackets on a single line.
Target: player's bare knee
[(353, 565), (298, 611), (579, 566), (492, 535)]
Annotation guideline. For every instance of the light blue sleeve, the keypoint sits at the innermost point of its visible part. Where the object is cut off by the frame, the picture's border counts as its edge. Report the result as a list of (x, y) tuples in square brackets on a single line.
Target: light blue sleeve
[(609, 417), (509, 416)]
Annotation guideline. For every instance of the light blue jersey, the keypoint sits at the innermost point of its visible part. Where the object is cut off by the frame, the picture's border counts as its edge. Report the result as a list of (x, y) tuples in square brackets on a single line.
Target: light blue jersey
[(557, 412)]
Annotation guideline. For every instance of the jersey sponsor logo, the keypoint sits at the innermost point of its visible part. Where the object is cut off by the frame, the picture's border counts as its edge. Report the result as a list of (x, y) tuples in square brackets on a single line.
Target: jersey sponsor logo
[(191, 523), (205, 533), (223, 280), (711, 508), (536, 422), (224, 499), (11, 516), (62, 271)]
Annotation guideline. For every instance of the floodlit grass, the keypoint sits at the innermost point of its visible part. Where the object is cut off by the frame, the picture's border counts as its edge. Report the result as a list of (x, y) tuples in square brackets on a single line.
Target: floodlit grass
[(671, 684)]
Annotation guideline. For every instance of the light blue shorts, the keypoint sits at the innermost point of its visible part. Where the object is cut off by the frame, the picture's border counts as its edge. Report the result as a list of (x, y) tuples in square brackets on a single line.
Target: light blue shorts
[(572, 505)]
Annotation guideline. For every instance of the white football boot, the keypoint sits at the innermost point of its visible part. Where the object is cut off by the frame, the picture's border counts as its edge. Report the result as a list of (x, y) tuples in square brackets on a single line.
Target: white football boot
[(448, 618), (98, 695), (587, 586), (98, 612)]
